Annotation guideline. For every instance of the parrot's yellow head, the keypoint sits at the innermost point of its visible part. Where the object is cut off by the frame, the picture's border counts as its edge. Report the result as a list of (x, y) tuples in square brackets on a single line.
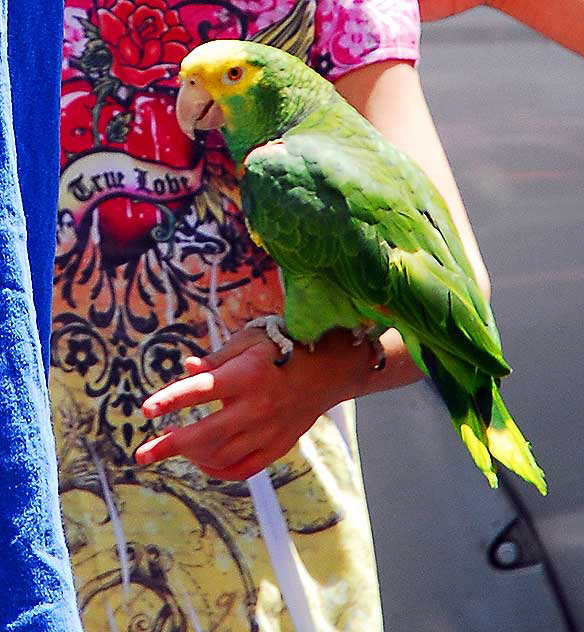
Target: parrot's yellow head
[(215, 78), (251, 91)]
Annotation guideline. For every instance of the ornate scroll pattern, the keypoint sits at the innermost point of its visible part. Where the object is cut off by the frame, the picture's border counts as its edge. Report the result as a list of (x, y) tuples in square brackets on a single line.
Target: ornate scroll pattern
[(154, 264)]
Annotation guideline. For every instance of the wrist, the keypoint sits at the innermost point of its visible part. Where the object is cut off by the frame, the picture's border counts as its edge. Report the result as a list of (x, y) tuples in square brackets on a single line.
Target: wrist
[(349, 370)]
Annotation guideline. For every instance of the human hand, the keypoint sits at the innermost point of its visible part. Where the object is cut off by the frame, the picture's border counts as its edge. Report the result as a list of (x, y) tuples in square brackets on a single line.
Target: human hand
[(438, 9), (266, 408)]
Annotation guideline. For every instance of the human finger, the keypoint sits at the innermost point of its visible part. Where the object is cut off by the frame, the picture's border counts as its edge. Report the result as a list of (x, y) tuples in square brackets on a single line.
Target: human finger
[(157, 449), (236, 345), (231, 376), (190, 391), (195, 364), (230, 452), (197, 441), (251, 464)]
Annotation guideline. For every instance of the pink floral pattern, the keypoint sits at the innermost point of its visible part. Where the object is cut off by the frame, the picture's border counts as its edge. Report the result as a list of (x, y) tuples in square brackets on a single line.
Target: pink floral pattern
[(348, 33), (74, 35), (354, 33), (265, 12)]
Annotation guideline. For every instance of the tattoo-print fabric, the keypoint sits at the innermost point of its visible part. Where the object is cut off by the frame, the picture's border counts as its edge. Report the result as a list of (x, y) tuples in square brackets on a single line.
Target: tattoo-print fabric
[(153, 264)]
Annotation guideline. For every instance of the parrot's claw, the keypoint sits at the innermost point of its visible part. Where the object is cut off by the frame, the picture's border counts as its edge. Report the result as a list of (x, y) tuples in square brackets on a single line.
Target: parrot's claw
[(381, 355), (275, 326), (381, 362), (283, 359), (360, 334)]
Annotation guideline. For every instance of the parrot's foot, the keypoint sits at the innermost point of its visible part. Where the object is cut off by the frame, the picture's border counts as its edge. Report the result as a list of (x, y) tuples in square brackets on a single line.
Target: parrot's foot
[(275, 326), (381, 359), (360, 334)]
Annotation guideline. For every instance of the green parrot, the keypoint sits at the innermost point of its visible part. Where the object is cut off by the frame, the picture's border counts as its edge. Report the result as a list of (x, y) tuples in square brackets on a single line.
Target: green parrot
[(362, 237)]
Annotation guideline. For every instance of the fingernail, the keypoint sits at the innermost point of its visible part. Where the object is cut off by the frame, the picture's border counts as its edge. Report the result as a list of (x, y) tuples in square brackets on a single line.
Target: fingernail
[(146, 453), (145, 458), (151, 409), (204, 381)]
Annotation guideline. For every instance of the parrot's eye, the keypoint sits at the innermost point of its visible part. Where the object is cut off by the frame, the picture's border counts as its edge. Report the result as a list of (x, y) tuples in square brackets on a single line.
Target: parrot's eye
[(233, 75), (192, 82)]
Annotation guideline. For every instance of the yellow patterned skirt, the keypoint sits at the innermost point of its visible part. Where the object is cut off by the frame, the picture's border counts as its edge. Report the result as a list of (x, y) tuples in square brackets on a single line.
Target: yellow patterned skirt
[(164, 548)]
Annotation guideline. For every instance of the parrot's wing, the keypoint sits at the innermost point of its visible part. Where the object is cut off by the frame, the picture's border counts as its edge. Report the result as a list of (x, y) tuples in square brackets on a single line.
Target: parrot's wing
[(435, 303), (368, 219)]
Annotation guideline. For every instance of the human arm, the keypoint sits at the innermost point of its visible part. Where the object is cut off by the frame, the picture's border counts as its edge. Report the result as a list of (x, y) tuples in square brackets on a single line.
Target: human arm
[(266, 408), (561, 21)]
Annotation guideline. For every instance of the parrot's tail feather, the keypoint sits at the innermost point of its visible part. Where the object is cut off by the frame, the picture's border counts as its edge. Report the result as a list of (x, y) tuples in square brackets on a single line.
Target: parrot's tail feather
[(473, 434), (508, 445), (465, 414), (485, 425)]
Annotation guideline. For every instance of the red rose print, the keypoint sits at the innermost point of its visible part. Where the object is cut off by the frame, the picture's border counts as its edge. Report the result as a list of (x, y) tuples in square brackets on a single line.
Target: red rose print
[(77, 107), (125, 224), (145, 128), (145, 38), (211, 20), (154, 135)]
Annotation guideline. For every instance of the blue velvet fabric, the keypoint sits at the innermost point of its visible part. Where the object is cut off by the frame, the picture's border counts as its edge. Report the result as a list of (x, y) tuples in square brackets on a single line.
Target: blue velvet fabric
[(35, 36), (36, 586)]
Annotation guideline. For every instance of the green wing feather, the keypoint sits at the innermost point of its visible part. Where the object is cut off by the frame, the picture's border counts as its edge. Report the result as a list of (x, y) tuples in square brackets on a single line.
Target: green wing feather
[(333, 200)]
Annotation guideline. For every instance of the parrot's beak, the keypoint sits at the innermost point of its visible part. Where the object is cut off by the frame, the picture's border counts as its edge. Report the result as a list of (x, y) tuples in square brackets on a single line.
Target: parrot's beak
[(196, 109)]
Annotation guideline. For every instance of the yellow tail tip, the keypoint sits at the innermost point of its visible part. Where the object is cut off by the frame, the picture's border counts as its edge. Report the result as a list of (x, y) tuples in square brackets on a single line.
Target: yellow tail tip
[(508, 446)]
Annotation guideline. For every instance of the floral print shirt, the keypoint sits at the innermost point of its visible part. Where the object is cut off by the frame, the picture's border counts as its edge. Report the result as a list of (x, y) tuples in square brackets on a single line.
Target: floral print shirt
[(154, 263), (147, 39)]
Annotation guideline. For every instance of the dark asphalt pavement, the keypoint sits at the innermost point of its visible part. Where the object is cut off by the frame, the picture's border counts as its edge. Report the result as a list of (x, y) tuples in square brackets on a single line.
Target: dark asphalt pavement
[(509, 107)]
